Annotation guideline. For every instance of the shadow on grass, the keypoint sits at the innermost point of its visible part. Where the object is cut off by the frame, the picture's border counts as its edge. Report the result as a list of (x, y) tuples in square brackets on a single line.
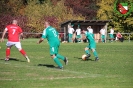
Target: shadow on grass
[(14, 59), (84, 60), (47, 65)]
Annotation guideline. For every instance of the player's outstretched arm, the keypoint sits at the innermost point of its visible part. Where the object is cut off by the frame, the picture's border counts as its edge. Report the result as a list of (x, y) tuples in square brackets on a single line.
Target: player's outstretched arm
[(22, 36), (2, 39), (41, 39), (83, 37)]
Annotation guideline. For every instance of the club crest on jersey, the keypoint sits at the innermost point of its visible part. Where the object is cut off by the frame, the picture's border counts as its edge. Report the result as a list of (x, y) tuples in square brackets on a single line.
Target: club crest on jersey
[(123, 8)]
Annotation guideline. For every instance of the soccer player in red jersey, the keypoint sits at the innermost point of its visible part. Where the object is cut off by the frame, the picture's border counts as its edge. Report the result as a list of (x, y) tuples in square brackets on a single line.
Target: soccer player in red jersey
[(14, 34)]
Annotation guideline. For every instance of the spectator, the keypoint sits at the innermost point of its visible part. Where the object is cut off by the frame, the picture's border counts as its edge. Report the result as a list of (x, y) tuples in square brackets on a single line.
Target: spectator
[(78, 35), (119, 37), (70, 33), (90, 30), (102, 32), (111, 34)]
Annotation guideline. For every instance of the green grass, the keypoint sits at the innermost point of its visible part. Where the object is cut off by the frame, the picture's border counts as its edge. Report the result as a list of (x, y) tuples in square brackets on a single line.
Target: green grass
[(113, 70)]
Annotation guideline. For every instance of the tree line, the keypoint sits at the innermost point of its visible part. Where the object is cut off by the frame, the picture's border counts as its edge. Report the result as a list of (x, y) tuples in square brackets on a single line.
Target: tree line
[(31, 14)]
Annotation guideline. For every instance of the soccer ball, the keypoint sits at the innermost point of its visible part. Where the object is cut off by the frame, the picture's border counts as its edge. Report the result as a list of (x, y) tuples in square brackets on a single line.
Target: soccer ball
[(84, 57)]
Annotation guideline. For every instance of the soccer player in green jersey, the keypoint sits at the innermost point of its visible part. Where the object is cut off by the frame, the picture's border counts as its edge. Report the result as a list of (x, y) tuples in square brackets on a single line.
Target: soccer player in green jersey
[(92, 45), (52, 36)]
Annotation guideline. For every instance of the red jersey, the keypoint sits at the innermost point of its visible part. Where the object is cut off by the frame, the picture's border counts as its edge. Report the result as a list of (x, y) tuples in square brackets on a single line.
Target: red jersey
[(119, 35), (13, 32)]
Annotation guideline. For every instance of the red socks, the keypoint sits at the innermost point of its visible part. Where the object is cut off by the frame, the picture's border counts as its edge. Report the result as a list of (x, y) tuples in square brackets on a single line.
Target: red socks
[(7, 52), (22, 52)]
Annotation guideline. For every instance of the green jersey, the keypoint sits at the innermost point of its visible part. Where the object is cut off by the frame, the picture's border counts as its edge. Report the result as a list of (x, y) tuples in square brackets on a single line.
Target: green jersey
[(51, 34), (89, 37)]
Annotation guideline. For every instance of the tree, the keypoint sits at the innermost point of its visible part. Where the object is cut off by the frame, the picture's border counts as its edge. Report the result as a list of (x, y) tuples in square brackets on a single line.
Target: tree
[(38, 13), (122, 23), (106, 12), (86, 8)]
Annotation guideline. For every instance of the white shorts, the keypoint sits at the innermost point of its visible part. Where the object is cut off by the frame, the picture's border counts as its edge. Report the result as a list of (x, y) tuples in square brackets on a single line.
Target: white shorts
[(16, 44)]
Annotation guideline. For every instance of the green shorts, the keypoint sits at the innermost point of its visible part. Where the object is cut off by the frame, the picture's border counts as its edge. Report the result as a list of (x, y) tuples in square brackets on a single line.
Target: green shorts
[(70, 35), (103, 36), (54, 48), (111, 35), (78, 36), (92, 45)]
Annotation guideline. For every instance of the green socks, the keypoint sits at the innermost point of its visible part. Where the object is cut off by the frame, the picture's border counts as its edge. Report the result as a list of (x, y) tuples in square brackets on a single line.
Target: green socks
[(60, 57), (87, 51), (56, 60), (95, 53)]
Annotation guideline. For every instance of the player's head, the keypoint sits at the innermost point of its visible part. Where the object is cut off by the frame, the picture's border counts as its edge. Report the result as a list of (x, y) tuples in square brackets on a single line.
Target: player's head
[(84, 30), (46, 24), (14, 22), (89, 26)]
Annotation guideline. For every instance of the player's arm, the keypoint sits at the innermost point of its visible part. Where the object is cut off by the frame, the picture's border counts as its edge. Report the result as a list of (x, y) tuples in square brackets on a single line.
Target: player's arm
[(4, 32), (22, 35), (43, 37), (73, 30), (83, 37)]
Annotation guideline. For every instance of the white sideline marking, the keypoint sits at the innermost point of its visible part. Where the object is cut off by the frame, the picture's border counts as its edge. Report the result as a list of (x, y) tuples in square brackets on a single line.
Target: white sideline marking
[(50, 78), (78, 73)]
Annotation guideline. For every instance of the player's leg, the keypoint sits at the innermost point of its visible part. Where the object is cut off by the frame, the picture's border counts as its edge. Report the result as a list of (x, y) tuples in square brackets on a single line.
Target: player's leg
[(101, 38), (56, 60), (54, 57), (69, 37), (65, 59), (87, 52), (93, 48), (95, 54), (79, 38), (22, 51), (7, 53), (111, 37), (9, 45)]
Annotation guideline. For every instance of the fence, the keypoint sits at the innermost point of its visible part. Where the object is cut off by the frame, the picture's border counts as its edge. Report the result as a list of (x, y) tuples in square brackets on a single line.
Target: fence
[(64, 37), (127, 34)]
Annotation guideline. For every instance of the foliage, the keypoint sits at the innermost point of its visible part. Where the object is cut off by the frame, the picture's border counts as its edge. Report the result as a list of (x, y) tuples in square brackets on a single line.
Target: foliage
[(38, 13), (6, 19), (12, 7), (35, 12), (87, 8), (106, 11)]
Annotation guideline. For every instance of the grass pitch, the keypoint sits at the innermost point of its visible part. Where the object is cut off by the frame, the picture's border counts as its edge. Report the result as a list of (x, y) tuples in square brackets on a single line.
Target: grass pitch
[(113, 70)]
